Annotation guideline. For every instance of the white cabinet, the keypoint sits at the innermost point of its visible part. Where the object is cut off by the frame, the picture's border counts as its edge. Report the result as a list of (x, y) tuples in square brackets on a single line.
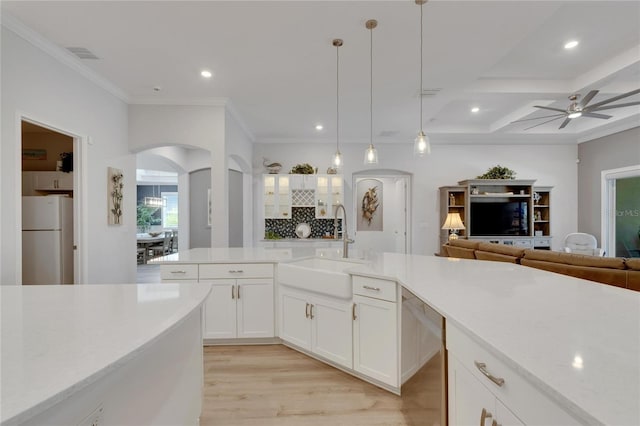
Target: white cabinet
[(329, 193), (36, 183), (277, 196), (321, 325), (375, 330), (478, 380), (241, 301)]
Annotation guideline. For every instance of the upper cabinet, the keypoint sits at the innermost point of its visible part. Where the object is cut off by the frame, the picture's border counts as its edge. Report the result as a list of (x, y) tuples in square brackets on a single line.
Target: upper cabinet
[(277, 196), (40, 183), (329, 193), (321, 192)]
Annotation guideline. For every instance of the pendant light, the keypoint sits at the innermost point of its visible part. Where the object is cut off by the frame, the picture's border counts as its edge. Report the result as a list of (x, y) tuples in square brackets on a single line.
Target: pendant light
[(421, 145), (337, 157), (371, 154)]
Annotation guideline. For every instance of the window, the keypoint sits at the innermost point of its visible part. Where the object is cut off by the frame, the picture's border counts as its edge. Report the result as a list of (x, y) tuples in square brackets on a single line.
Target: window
[(170, 210)]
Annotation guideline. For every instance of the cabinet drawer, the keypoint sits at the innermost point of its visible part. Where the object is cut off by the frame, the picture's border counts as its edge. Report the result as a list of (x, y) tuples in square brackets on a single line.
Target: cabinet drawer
[(376, 288), (178, 272), (542, 242), (525, 400), (236, 270)]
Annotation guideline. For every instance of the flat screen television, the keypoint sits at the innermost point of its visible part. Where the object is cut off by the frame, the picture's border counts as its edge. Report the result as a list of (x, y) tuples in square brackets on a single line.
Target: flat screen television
[(510, 218)]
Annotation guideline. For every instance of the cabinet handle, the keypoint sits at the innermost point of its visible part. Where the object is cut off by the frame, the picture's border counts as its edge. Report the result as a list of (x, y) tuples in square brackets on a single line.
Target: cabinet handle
[(306, 311), (178, 272), (233, 271), (233, 291), (311, 311), (371, 288), (483, 369), (485, 415), (353, 312), (237, 291)]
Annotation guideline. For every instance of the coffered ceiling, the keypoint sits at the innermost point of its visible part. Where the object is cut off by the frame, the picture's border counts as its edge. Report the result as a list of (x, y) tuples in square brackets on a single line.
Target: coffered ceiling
[(275, 64)]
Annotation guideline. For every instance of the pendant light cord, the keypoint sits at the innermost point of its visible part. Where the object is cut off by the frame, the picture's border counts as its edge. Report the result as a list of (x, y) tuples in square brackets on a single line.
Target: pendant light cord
[(421, 54), (337, 99), (371, 91)]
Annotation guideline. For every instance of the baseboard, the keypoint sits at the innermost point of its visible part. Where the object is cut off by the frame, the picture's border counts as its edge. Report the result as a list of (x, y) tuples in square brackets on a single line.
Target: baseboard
[(250, 341)]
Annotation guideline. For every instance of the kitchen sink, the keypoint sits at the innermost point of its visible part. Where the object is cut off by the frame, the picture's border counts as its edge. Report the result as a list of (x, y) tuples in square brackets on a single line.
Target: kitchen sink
[(320, 275)]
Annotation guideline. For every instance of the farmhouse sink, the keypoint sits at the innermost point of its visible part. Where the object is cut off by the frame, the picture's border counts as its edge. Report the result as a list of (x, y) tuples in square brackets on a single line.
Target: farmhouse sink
[(320, 275)]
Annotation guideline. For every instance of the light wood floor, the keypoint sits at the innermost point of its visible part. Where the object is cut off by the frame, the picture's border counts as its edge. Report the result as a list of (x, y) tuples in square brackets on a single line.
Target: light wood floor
[(275, 385)]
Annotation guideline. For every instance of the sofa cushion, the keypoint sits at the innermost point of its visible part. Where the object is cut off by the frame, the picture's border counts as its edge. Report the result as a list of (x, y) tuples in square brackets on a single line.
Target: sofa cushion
[(460, 252), (575, 259), (611, 276), (496, 257), (501, 249), (633, 280), (633, 263), (469, 244)]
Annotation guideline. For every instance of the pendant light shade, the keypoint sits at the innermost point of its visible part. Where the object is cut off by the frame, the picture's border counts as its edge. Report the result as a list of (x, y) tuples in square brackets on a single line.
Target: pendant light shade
[(337, 157), (421, 145), (371, 154)]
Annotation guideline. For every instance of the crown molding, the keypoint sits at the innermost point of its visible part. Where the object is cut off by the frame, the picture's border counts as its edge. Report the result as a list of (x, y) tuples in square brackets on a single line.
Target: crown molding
[(62, 55), (620, 126), (218, 102)]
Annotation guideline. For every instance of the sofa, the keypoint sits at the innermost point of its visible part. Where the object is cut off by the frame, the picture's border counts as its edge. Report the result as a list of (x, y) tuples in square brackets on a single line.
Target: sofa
[(616, 271)]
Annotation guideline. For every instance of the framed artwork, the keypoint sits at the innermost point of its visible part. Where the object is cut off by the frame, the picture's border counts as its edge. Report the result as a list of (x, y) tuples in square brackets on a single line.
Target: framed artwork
[(34, 154), (115, 187), (369, 198)]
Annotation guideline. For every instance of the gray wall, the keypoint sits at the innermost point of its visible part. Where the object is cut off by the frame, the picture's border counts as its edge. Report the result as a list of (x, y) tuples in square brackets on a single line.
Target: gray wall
[(610, 152), (199, 231), (235, 208)]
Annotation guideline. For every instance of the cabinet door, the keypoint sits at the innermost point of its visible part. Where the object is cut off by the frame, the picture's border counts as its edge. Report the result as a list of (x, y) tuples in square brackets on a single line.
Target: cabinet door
[(468, 397), (331, 335), (375, 336), (284, 197), (255, 308), (504, 416), (220, 310), (295, 326), (410, 335)]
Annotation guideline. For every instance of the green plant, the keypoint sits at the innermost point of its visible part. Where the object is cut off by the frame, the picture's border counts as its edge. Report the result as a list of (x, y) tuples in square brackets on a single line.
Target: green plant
[(271, 235), (144, 217), (302, 169), (498, 172)]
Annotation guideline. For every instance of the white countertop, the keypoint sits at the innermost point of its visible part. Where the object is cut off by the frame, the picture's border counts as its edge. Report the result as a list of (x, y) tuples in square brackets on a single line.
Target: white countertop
[(56, 340), (540, 323), (244, 255)]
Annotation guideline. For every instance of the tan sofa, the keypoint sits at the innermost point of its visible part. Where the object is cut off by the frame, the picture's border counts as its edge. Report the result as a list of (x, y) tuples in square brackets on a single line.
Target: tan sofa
[(614, 271)]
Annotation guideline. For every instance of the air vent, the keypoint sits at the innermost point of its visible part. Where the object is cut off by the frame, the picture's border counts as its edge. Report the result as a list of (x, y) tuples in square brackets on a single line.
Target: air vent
[(388, 133), (430, 92), (82, 52)]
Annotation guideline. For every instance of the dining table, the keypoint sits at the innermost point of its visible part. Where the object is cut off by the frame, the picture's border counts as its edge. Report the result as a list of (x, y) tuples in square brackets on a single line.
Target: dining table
[(145, 241)]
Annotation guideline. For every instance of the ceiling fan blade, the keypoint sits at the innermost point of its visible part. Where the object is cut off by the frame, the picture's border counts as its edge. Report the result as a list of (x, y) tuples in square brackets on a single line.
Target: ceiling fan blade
[(588, 98), (538, 118), (615, 98), (613, 106), (549, 108), (594, 115), (544, 122), (564, 123)]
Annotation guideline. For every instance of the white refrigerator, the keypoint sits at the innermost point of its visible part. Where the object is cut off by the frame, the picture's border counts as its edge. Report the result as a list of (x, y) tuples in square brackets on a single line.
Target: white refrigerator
[(47, 239)]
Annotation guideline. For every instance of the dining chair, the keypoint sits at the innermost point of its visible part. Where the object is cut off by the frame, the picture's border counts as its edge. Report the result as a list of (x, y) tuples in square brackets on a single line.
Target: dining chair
[(164, 248), (174, 241)]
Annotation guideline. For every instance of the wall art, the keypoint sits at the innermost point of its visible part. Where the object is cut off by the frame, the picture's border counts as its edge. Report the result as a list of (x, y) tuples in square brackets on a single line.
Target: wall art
[(115, 186), (369, 198)]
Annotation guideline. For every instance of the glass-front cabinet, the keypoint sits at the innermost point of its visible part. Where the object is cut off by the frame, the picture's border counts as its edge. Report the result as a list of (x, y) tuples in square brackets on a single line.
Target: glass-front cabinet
[(277, 197), (329, 193)]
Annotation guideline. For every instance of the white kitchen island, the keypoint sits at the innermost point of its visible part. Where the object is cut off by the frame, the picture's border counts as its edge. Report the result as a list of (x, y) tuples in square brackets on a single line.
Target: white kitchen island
[(568, 350), (101, 354)]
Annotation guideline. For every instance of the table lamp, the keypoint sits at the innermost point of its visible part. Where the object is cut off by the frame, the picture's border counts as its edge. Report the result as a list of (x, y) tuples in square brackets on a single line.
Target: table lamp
[(453, 222)]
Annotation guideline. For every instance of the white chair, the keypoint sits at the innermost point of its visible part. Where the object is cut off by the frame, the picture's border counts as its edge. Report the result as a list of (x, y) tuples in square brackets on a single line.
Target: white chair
[(581, 243)]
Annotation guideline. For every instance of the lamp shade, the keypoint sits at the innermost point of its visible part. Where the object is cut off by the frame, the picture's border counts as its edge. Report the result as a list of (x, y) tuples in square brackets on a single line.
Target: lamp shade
[(453, 221)]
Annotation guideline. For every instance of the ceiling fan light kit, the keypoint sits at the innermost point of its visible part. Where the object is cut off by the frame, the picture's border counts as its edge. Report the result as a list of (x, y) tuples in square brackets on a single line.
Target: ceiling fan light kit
[(582, 109)]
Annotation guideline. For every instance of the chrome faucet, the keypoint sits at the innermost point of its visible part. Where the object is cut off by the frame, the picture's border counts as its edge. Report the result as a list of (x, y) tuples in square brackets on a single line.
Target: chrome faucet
[(345, 235)]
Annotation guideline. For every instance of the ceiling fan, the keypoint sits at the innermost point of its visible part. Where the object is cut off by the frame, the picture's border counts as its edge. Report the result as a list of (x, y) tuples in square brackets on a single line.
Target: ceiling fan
[(582, 109)]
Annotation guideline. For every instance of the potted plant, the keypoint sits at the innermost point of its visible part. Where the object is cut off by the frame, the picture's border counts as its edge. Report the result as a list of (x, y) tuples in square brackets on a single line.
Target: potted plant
[(498, 172)]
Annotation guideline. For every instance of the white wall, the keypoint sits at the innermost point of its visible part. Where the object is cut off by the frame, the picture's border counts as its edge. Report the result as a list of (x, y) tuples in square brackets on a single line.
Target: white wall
[(38, 86), (203, 127), (549, 165), (239, 149)]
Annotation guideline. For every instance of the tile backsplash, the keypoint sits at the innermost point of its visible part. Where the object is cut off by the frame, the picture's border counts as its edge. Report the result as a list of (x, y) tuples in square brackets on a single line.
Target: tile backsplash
[(286, 228)]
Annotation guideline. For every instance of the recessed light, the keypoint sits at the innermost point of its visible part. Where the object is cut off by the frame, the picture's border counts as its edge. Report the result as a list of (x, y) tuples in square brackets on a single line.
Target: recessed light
[(319, 127), (475, 109), (571, 44), (206, 73)]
